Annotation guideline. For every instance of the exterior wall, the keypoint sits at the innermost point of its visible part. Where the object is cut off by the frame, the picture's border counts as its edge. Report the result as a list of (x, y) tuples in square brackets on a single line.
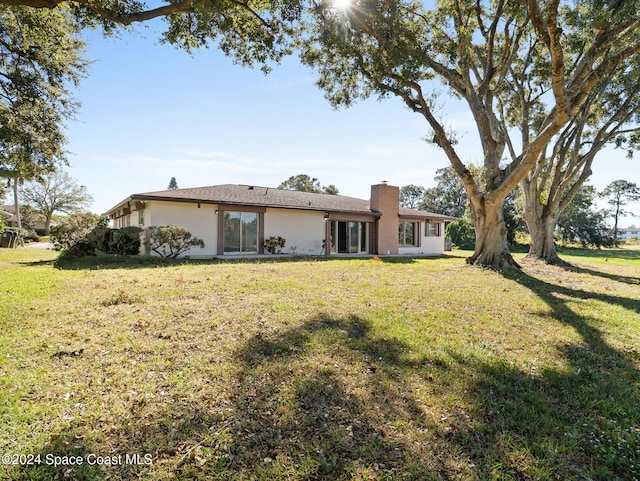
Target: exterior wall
[(386, 200), (202, 222), (429, 245), (304, 231), (626, 234)]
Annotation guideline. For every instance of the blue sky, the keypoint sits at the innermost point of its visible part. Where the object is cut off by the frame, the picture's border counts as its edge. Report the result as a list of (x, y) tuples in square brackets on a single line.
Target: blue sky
[(150, 112)]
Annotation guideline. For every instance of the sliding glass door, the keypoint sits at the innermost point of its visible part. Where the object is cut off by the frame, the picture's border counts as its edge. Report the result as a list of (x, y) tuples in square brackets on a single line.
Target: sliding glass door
[(240, 233), (349, 237)]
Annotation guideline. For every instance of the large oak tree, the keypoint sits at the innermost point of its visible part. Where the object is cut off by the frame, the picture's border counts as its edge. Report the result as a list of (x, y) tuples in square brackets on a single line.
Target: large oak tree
[(471, 50), (608, 116), (41, 59)]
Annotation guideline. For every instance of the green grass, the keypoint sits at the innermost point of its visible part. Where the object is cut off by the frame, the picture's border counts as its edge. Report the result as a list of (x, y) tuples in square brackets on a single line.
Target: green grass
[(408, 369)]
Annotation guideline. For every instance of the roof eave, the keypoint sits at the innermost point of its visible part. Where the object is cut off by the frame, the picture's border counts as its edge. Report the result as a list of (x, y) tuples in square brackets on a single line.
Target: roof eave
[(117, 206), (240, 204)]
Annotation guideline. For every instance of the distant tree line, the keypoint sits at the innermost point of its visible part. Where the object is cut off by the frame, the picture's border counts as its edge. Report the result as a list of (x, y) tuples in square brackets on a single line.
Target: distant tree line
[(581, 221)]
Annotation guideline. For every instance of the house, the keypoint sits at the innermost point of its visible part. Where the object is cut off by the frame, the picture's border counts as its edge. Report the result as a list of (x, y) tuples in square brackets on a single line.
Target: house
[(8, 213), (236, 220), (629, 233)]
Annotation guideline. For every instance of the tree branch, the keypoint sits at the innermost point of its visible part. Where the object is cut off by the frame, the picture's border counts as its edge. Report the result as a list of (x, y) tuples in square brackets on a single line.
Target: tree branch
[(183, 6)]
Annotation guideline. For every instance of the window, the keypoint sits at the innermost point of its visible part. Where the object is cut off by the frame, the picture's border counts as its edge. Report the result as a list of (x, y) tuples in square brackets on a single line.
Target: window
[(408, 234), (141, 217), (240, 233), (433, 229)]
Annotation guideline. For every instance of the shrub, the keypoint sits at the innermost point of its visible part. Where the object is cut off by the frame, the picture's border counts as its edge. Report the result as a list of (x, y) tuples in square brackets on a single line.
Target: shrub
[(274, 245), (125, 241), (82, 233), (100, 237), (462, 233), (81, 248), (169, 241), (73, 234)]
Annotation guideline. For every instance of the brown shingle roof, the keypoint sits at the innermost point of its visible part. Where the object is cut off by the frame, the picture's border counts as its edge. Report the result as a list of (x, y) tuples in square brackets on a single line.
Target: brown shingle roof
[(423, 214), (259, 196), (270, 197)]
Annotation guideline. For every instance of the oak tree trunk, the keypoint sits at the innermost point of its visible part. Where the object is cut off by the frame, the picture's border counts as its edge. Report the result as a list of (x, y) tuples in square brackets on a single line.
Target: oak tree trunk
[(16, 204), (492, 247), (543, 246)]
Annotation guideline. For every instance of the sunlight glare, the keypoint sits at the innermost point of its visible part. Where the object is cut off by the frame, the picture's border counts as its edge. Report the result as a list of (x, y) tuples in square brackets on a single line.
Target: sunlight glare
[(341, 4)]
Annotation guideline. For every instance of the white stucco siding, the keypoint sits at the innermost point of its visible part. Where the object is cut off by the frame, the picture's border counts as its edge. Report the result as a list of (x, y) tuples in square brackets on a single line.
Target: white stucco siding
[(304, 231), (202, 222), (429, 245)]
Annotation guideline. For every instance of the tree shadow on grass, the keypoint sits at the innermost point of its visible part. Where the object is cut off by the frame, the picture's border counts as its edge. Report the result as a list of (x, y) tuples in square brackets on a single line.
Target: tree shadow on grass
[(591, 406), (350, 394), (48, 262), (322, 399), (112, 261), (606, 275), (557, 296), (612, 253), (333, 399)]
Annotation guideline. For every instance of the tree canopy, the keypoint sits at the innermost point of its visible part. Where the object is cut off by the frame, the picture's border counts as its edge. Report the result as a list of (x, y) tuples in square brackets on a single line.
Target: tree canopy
[(475, 52), (619, 194), (581, 222), (608, 116), (305, 183), (253, 33), (411, 196), (58, 192), (448, 197), (41, 58)]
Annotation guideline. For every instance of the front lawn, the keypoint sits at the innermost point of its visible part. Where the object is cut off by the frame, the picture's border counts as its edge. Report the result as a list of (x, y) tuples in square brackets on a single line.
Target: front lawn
[(343, 369)]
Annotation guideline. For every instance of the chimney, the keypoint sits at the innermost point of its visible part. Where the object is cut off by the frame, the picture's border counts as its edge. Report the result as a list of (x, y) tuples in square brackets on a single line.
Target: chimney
[(385, 199)]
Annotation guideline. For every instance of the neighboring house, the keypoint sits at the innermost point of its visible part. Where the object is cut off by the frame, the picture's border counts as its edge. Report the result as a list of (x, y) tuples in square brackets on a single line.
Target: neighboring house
[(12, 221), (236, 220), (629, 233)]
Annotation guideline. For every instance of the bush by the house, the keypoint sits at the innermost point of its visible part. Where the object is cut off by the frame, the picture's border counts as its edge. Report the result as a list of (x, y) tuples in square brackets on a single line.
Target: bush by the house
[(461, 233), (125, 241), (100, 236), (274, 245), (169, 241), (82, 233), (72, 235)]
